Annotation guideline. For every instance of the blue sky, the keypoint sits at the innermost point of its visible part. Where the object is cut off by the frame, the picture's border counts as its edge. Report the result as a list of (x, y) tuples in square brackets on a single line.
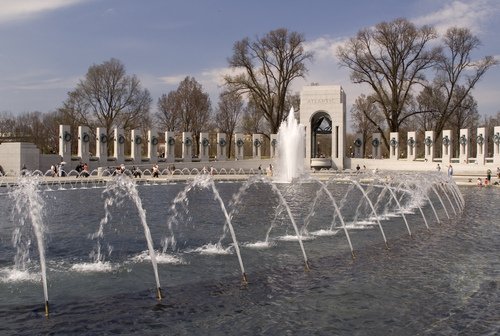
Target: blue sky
[(47, 46)]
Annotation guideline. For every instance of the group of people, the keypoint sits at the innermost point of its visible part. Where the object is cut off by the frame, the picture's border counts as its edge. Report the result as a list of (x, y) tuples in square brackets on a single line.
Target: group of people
[(58, 169), (82, 169), (487, 180), (450, 170)]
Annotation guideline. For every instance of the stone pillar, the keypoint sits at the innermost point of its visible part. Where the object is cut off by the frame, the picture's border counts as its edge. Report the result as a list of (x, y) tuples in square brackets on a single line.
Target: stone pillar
[(101, 145), (257, 146), (411, 146), (394, 146), (496, 145), (65, 143), (481, 145), (83, 143), (152, 145), (358, 146), (429, 146), (119, 142), (204, 147), (136, 146), (221, 147), (239, 142), (464, 146), (273, 145), (187, 147), (376, 146), (170, 147), (447, 147)]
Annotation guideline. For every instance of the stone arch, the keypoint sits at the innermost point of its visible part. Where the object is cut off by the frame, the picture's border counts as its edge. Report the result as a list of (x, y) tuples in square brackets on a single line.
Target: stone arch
[(321, 133), (323, 108)]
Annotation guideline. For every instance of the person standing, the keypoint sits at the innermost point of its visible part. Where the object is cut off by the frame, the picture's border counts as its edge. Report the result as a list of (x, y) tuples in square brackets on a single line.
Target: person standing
[(270, 170), (438, 168), (156, 170), (488, 176), (450, 171)]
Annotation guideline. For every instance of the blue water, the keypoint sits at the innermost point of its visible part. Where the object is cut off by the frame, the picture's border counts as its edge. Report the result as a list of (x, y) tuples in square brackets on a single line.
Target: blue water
[(444, 281)]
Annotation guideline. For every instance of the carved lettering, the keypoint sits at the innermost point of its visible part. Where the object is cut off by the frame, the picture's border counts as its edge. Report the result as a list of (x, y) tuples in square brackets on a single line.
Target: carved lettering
[(321, 101)]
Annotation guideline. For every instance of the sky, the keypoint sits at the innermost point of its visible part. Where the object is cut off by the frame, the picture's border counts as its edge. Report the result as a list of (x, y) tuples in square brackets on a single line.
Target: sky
[(47, 46)]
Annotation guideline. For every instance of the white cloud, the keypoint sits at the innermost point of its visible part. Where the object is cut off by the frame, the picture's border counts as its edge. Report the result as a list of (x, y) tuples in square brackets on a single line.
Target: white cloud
[(324, 47), (470, 14), (13, 10), (172, 80)]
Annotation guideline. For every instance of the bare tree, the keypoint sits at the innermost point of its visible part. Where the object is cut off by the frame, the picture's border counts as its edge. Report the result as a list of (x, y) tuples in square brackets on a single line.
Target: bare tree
[(391, 58), (457, 74), (269, 66), (188, 108), (166, 116), (41, 129), (228, 115), (108, 97), (365, 116), (253, 120)]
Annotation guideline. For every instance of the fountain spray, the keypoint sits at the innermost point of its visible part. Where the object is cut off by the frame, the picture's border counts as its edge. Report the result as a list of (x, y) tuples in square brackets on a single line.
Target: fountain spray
[(29, 207)]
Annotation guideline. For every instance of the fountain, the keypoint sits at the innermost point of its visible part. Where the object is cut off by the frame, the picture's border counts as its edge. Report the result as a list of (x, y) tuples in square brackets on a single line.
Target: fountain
[(290, 151), (203, 233)]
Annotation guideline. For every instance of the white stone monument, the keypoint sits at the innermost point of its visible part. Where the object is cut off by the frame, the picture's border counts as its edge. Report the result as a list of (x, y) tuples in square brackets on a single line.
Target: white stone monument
[(257, 146), (221, 147), (136, 146), (239, 142), (429, 146), (322, 102), (187, 147), (204, 147), (447, 147), (170, 147), (152, 145), (274, 145), (394, 146), (481, 146), (464, 145), (65, 138), (83, 143), (101, 145), (358, 146), (496, 145), (119, 144), (411, 146)]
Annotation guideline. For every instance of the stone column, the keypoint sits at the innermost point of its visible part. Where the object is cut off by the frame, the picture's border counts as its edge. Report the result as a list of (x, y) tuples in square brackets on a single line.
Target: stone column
[(429, 146), (358, 146), (447, 147), (65, 143), (239, 142), (464, 146), (394, 146), (411, 146), (376, 146), (257, 146), (101, 145), (204, 147), (221, 147), (274, 145), (496, 145), (187, 147), (119, 142), (152, 145), (83, 143), (136, 146), (170, 147), (481, 145)]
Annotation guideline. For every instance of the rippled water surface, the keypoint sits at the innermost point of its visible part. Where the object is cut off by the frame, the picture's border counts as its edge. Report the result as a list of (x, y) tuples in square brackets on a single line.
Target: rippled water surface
[(442, 281)]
